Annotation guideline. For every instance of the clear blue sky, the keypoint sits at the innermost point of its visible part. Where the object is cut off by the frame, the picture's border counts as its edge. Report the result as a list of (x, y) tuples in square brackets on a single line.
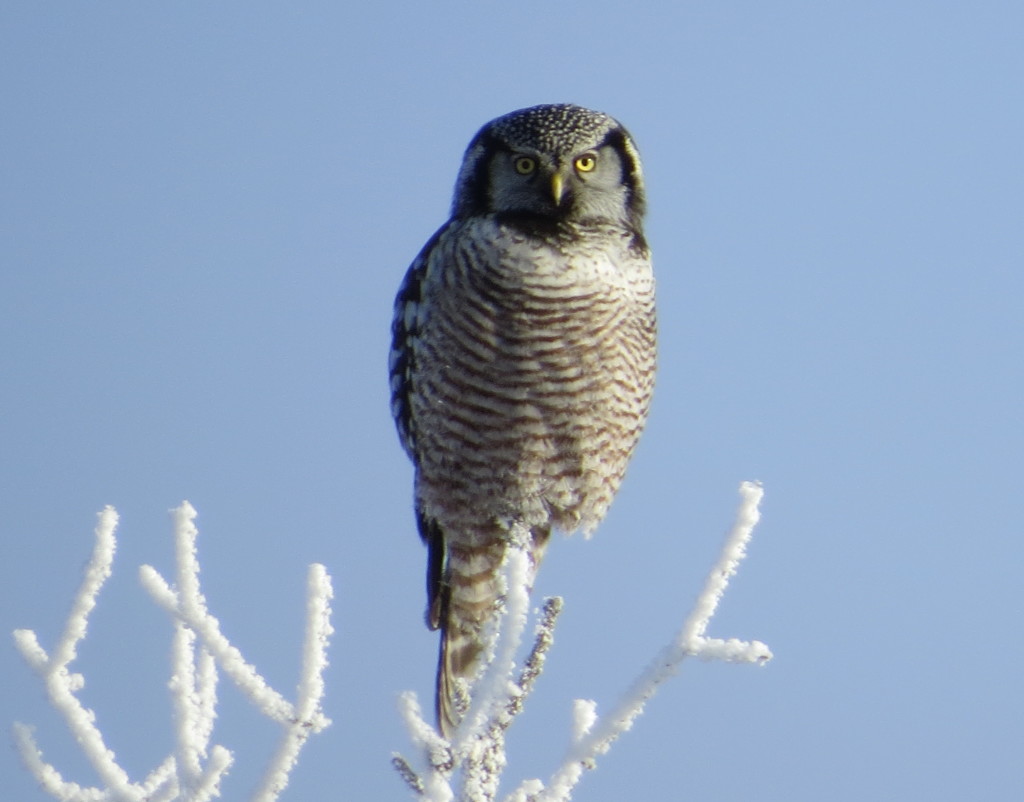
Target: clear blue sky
[(206, 210)]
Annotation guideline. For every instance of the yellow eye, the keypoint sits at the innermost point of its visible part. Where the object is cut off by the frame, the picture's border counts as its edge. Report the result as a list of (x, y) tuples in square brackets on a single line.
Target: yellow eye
[(586, 162), (525, 165)]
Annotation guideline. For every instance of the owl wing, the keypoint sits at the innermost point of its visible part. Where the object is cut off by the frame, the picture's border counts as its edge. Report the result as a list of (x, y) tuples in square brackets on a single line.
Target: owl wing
[(408, 316), (405, 326)]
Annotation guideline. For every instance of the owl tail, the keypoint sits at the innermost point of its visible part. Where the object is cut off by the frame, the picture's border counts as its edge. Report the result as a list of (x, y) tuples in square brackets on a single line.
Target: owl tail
[(465, 606)]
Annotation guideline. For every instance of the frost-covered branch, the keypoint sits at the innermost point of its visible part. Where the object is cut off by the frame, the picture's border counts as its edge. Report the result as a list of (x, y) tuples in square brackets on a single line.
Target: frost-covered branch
[(476, 756), (598, 734), (61, 684), (194, 770), (467, 768)]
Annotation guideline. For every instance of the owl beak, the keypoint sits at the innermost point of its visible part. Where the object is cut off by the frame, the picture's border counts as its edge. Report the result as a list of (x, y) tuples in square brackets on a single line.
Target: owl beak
[(557, 188)]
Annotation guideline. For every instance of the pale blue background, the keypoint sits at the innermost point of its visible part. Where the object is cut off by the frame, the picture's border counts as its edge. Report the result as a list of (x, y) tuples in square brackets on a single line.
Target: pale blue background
[(206, 211)]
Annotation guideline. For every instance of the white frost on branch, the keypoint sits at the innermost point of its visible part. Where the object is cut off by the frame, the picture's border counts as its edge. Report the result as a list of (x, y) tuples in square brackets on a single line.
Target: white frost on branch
[(469, 768), (193, 772)]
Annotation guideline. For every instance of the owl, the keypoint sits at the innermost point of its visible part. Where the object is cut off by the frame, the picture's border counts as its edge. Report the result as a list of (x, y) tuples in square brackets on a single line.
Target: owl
[(522, 361)]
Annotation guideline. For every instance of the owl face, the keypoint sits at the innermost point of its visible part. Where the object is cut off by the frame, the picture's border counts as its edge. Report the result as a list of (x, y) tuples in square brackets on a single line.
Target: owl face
[(552, 163)]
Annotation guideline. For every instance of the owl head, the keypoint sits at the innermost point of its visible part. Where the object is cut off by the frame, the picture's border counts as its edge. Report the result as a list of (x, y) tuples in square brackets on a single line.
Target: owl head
[(553, 163)]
